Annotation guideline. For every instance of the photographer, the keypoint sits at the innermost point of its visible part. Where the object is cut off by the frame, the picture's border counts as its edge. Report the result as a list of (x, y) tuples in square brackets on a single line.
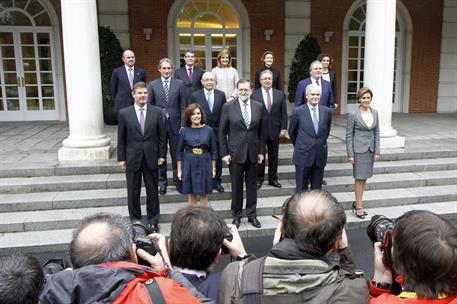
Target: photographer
[(21, 279), (424, 261), (196, 244), (311, 263), (104, 258)]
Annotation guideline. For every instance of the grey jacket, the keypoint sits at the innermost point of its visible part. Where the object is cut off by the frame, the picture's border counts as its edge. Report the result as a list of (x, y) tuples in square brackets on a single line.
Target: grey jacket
[(359, 137)]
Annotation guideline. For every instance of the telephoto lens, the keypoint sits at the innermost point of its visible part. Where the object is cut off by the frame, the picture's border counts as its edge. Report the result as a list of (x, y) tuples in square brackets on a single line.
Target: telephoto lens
[(378, 226)]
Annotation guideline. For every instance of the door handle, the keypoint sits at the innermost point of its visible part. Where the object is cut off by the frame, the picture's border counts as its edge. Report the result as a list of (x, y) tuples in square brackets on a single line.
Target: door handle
[(18, 81), (23, 81)]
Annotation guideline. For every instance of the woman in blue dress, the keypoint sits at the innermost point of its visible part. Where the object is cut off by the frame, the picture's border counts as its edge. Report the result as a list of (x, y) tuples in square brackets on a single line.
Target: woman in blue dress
[(196, 155)]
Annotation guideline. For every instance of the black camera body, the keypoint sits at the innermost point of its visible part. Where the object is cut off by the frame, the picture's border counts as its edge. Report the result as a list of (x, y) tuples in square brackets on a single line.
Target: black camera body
[(141, 239), (380, 230), (228, 237)]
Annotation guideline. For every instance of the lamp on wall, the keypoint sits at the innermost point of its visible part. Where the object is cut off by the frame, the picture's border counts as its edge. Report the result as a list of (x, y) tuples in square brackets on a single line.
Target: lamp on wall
[(327, 36), (147, 33), (268, 34)]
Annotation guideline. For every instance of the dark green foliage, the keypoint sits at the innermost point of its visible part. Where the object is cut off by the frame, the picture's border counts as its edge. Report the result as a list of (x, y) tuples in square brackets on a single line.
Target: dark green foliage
[(306, 52), (110, 58)]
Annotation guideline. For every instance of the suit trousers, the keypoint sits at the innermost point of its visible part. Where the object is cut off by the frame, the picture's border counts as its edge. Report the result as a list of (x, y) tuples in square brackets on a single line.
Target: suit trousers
[(272, 150), (172, 140), (134, 193), (312, 174), (238, 173), (218, 178)]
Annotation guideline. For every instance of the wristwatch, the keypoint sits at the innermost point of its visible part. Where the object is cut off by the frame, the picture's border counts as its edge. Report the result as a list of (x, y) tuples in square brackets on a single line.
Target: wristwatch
[(381, 285), (242, 257)]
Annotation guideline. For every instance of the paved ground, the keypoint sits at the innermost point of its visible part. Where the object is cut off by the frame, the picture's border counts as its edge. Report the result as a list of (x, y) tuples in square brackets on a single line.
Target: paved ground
[(38, 142)]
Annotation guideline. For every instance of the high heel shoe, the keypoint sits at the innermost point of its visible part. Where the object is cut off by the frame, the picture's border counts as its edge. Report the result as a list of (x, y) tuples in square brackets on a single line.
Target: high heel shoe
[(355, 209)]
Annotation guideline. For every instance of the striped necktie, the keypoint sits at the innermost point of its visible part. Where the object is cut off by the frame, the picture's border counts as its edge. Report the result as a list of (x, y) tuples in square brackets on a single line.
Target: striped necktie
[(166, 88), (246, 115)]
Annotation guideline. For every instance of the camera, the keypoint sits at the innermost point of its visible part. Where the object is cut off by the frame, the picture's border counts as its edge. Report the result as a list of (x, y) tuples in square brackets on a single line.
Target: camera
[(380, 230), (140, 236), (228, 237)]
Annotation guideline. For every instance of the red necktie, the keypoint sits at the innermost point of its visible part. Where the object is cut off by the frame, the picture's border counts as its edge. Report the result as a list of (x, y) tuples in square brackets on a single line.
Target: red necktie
[(190, 74)]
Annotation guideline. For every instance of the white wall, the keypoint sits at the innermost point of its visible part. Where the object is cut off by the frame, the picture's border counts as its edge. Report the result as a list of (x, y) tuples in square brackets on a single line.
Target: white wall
[(447, 90), (115, 15)]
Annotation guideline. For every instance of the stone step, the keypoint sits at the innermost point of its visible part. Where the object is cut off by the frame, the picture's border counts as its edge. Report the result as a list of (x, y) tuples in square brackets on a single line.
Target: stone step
[(118, 197), (117, 180), (68, 218), (337, 154), (58, 239)]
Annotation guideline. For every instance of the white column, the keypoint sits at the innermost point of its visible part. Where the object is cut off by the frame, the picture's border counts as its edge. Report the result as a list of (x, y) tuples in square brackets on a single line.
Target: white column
[(379, 65), (86, 140)]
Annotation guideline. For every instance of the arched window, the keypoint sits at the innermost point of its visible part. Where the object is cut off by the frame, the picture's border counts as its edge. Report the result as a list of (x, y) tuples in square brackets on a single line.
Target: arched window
[(27, 62), (24, 13), (355, 54), (208, 26)]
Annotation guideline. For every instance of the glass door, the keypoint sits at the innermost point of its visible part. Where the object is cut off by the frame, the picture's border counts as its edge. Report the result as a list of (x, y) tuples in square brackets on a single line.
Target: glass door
[(26, 74)]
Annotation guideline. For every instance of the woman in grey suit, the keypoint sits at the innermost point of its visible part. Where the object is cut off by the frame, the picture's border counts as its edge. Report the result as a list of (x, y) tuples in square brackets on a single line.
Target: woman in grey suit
[(362, 144)]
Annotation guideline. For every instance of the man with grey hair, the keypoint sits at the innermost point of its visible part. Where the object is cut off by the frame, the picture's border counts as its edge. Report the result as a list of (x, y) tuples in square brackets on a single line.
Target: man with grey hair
[(104, 258), (309, 129), (315, 71), (276, 109), (310, 261), (169, 94)]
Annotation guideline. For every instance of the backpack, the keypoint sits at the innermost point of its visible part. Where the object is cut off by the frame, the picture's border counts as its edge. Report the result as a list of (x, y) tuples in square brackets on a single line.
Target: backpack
[(154, 287), (242, 283)]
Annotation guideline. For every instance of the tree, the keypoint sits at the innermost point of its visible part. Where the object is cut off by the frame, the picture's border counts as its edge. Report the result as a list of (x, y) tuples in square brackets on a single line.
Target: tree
[(110, 58), (306, 52)]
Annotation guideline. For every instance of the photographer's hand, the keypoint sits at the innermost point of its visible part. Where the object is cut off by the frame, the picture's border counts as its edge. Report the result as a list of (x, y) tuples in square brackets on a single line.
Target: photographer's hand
[(236, 247), (381, 273), (156, 261)]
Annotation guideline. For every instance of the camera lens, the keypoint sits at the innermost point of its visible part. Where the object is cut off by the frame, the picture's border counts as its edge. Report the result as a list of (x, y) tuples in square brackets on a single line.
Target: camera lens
[(378, 226)]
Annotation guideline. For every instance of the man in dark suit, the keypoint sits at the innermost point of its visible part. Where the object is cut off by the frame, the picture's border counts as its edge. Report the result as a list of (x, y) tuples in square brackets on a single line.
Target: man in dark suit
[(123, 79), (169, 94), (276, 108), (309, 129), (212, 101), (189, 74), (141, 149), (327, 99), (242, 133)]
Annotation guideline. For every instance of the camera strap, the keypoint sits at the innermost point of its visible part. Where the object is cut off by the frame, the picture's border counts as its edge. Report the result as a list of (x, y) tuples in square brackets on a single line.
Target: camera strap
[(154, 291)]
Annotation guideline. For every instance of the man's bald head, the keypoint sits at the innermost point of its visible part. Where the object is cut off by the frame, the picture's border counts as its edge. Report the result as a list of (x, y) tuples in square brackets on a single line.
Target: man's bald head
[(100, 238), (315, 220)]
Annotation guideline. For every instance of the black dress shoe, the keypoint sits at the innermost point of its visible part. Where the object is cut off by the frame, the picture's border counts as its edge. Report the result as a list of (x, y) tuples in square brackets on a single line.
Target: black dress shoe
[(154, 228), (163, 190), (236, 221), (275, 184), (259, 185), (255, 222), (219, 188), (324, 182)]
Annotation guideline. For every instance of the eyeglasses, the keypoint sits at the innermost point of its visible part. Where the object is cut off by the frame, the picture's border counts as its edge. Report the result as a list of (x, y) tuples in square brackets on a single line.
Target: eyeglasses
[(280, 215)]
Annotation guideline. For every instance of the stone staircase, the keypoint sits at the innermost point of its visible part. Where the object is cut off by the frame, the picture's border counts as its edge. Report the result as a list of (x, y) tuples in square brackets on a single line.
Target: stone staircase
[(40, 204)]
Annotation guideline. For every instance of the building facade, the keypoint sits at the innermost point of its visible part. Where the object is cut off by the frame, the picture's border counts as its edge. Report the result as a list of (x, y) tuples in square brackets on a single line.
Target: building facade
[(32, 72)]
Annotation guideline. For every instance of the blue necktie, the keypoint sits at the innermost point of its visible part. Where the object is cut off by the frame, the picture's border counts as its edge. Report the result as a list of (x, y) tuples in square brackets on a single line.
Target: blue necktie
[(315, 120)]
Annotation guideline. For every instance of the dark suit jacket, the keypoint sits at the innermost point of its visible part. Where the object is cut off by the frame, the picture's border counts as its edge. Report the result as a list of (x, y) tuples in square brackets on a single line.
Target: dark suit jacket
[(333, 82), (235, 139), (132, 145), (212, 118), (277, 118), (326, 94), (359, 137), (120, 86), (196, 83), (276, 78), (176, 104), (309, 146)]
